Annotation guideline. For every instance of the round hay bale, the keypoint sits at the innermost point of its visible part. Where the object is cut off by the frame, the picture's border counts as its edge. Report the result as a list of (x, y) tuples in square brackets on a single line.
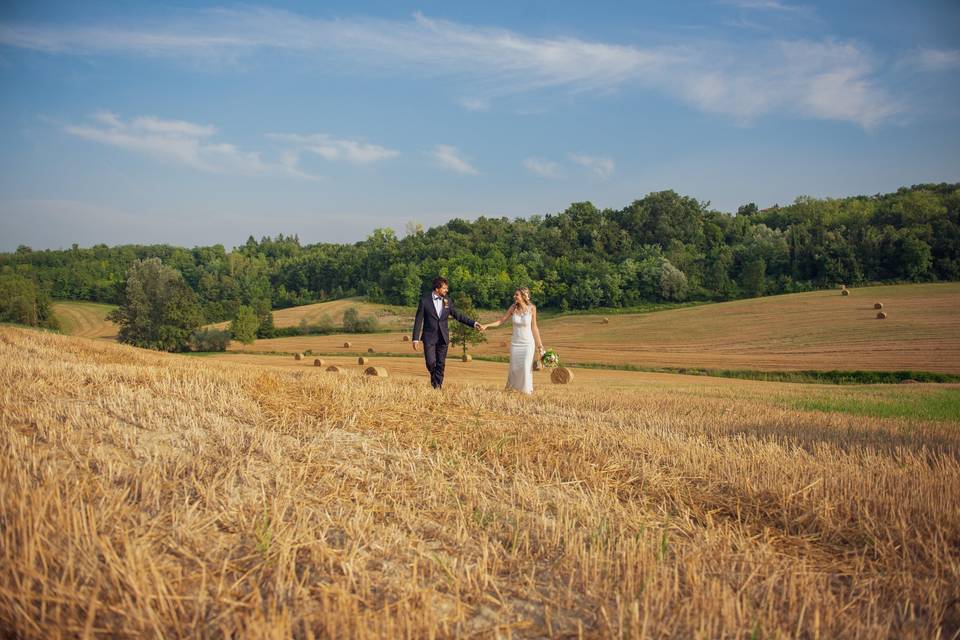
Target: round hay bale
[(318, 362), (844, 292), (379, 372), (878, 305), (371, 350), (362, 360), (406, 338), (561, 375), (334, 369), (881, 316), (909, 381), (605, 321), (468, 358), (347, 345), (298, 356)]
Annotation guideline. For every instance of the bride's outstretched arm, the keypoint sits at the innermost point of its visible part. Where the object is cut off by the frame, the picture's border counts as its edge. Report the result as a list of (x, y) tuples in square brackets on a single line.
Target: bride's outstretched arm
[(499, 322), (536, 330)]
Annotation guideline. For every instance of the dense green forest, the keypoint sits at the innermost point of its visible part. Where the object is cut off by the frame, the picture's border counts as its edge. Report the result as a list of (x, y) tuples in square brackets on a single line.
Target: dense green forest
[(663, 247)]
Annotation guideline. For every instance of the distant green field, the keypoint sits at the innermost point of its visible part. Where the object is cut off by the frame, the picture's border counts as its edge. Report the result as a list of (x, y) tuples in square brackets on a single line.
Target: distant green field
[(942, 405)]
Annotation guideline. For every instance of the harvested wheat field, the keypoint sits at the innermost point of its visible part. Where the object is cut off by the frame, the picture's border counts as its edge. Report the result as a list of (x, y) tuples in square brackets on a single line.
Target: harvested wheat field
[(86, 319), (816, 330), (819, 330), (144, 494)]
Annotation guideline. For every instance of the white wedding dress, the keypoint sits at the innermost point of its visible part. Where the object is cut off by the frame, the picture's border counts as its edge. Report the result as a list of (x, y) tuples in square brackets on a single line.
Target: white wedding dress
[(522, 348)]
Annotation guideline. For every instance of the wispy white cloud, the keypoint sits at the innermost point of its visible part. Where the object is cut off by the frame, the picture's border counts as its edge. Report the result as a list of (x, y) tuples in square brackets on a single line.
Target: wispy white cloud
[(474, 104), (331, 148), (927, 59), (541, 167), (826, 79), (450, 157), (763, 5), (815, 79), (601, 167), (178, 141)]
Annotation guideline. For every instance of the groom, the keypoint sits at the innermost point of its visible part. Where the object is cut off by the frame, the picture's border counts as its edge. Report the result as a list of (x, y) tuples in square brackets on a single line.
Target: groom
[(432, 314)]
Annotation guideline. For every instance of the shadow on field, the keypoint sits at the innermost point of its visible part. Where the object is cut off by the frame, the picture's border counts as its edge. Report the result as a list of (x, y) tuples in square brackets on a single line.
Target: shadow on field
[(926, 441)]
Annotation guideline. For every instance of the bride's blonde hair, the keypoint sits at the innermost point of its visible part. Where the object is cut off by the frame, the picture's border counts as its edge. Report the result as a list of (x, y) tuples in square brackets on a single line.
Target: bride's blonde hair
[(525, 302)]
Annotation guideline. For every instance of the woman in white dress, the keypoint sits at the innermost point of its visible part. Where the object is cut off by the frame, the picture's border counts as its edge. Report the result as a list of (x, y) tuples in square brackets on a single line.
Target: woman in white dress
[(525, 339)]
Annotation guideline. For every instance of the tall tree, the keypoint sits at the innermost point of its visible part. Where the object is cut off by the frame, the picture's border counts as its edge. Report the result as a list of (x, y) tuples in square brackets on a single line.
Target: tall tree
[(159, 310), (245, 325), (461, 334)]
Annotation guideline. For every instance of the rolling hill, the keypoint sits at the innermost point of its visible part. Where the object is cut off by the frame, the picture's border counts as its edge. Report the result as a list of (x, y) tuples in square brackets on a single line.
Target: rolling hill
[(819, 330), (85, 319), (389, 316)]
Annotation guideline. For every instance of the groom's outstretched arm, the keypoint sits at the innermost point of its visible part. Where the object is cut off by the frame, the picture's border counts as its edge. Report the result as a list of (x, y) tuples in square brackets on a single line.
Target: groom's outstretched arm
[(462, 318)]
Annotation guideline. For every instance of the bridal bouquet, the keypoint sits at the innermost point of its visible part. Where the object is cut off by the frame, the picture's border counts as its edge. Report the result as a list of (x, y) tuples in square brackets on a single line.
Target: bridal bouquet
[(550, 358)]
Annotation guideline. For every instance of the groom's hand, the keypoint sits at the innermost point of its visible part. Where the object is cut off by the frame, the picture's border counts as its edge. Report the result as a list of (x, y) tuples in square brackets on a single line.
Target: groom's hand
[(416, 345), (477, 326)]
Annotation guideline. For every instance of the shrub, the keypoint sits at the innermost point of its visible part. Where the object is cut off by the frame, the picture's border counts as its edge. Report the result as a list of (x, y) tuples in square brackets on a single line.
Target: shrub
[(209, 340)]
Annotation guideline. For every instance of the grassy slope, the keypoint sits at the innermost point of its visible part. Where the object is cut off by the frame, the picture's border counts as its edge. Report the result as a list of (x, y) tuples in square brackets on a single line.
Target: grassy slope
[(389, 316), (85, 319), (809, 331), (149, 494)]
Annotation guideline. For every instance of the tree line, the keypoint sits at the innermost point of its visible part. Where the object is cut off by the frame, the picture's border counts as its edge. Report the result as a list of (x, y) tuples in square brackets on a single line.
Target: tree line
[(662, 247)]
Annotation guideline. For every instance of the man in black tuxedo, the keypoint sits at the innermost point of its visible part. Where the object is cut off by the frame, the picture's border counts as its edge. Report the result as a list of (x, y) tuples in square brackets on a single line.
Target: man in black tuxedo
[(432, 315)]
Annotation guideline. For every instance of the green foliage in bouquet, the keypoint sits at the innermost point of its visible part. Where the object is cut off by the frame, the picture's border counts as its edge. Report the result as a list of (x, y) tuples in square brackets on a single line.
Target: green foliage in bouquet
[(550, 358)]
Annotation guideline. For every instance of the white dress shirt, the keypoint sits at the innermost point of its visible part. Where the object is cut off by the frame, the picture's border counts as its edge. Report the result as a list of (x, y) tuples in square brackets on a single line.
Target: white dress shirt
[(437, 303)]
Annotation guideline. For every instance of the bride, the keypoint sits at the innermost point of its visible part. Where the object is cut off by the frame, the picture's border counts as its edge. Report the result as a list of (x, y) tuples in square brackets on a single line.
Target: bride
[(526, 334)]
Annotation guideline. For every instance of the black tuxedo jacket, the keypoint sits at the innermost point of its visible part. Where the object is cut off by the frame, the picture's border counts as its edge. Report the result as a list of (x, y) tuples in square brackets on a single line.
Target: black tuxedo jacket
[(434, 328)]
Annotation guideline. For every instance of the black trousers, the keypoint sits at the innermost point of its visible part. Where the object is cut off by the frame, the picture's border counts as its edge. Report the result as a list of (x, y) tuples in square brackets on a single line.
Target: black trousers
[(436, 356)]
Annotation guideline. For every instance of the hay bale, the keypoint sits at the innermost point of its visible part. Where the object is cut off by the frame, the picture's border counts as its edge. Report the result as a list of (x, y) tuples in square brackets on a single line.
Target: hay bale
[(371, 350), (298, 356), (347, 345), (379, 372), (845, 292), (881, 316), (909, 381), (318, 362), (362, 360), (561, 375), (406, 338), (334, 369), (605, 321), (878, 305), (468, 358)]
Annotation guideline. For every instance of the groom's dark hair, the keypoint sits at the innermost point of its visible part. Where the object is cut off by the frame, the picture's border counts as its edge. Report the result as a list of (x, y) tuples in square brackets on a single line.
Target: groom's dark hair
[(439, 280)]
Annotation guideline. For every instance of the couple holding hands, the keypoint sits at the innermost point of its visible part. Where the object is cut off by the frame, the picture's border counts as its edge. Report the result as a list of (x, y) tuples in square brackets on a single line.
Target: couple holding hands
[(430, 328)]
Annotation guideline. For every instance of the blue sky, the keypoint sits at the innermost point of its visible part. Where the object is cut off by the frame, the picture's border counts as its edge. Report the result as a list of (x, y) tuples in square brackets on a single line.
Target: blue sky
[(204, 123)]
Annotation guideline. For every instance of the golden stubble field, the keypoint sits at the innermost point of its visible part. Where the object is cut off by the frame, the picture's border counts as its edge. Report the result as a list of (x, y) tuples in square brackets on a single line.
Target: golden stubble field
[(818, 330), (144, 494)]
